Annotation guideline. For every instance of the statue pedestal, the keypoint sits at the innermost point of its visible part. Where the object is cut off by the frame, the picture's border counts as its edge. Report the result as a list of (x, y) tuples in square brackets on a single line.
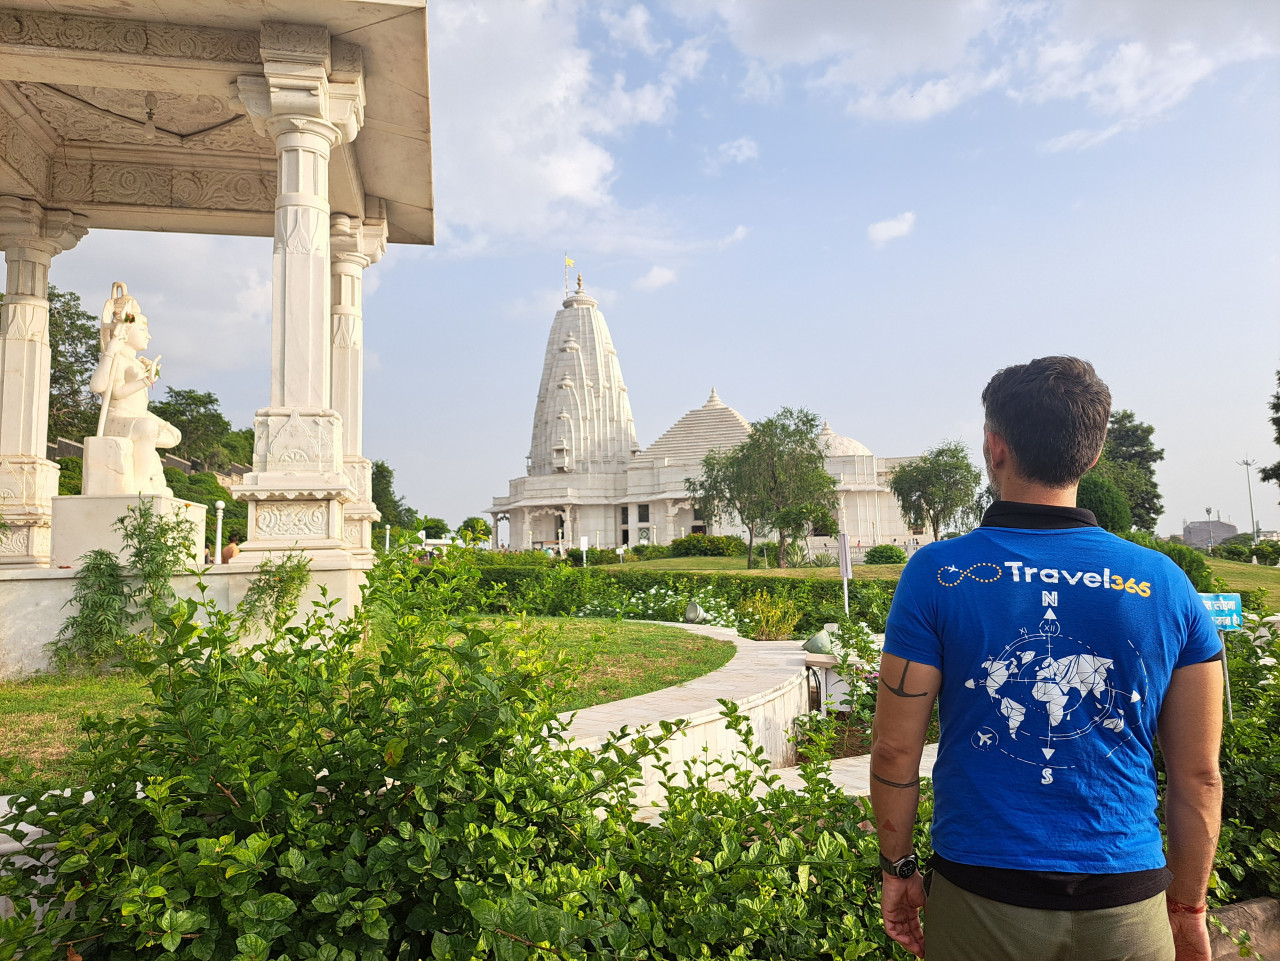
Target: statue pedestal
[(82, 522)]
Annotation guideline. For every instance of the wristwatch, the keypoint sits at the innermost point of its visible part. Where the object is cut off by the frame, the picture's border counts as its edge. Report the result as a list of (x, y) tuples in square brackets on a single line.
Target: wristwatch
[(902, 868)]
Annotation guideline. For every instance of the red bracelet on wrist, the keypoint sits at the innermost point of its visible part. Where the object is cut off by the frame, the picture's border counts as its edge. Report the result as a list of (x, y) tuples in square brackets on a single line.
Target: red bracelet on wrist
[(1177, 907)]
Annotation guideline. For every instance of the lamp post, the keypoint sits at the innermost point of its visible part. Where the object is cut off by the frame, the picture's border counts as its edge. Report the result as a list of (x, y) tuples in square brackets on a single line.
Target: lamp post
[(1253, 525), (1208, 513), (218, 507)]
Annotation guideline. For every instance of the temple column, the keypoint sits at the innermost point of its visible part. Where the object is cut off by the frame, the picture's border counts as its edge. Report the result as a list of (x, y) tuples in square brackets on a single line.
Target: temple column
[(30, 237), (298, 487), (354, 245)]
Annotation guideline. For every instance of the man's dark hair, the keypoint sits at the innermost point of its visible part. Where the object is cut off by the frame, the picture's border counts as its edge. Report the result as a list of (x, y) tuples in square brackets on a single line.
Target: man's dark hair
[(1053, 414)]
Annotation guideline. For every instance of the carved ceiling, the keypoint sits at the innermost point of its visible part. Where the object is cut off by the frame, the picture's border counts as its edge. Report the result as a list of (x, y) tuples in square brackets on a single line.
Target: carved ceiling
[(106, 115)]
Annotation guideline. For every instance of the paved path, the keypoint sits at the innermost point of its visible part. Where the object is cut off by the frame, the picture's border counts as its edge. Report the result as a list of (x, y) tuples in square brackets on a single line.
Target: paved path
[(758, 667)]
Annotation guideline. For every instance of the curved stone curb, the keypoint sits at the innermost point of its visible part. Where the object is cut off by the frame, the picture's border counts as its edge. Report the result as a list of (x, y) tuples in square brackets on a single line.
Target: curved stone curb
[(766, 679)]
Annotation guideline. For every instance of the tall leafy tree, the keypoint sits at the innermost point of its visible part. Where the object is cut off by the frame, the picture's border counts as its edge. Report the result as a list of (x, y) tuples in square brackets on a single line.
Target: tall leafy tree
[(939, 489), (1272, 473), (74, 346), (476, 527), (731, 488), (785, 457), (206, 433), (390, 505), (1129, 461), (1108, 504)]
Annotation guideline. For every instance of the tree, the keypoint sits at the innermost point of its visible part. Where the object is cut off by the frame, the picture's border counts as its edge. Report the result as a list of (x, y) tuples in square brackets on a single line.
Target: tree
[(394, 511), (1108, 504), (1272, 473), (477, 527), (1128, 460), (786, 459), (938, 489), (435, 528), (729, 487), (205, 431), (73, 346)]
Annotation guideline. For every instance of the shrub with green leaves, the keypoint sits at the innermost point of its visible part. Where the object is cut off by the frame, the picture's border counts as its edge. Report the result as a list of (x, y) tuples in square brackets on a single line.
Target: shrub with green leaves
[(298, 798), (111, 597), (708, 545), (886, 554), (1248, 859)]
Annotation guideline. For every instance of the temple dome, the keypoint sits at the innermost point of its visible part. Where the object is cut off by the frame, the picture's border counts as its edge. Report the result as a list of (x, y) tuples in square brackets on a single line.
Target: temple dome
[(837, 445), (713, 426)]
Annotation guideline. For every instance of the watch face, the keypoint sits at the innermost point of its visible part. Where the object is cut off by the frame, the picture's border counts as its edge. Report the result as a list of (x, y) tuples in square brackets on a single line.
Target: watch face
[(906, 867)]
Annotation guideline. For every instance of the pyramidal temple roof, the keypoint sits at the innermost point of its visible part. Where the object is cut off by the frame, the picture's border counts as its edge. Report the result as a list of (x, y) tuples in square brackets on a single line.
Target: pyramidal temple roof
[(713, 426), (582, 421)]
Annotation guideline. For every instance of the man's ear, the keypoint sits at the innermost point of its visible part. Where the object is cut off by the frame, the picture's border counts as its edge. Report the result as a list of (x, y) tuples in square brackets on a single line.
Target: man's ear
[(998, 449)]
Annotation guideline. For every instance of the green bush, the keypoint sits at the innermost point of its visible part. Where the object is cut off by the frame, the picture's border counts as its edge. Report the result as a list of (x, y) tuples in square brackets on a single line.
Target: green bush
[(298, 798), (1232, 552), (1107, 502), (1248, 859), (70, 475), (708, 545), (886, 554), (567, 591), (649, 552), (1191, 561), (595, 557)]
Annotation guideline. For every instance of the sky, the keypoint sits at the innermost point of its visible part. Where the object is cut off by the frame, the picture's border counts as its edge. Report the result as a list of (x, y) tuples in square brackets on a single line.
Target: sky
[(862, 207)]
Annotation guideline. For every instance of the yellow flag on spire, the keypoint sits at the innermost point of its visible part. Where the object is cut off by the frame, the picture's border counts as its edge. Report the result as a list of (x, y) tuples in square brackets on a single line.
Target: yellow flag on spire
[(567, 261)]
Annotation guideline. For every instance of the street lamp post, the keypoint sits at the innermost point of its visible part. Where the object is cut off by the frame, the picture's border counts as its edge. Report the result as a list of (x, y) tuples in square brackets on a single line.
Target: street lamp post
[(1253, 525), (1208, 513), (218, 507)]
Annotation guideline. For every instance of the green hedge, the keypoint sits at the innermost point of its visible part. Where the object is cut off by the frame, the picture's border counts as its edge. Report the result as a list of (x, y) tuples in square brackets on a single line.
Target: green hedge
[(708, 545), (564, 591)]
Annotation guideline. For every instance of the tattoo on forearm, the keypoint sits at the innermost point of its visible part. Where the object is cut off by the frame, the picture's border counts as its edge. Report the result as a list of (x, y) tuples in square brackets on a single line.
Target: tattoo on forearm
[(901, 689), (902, 784)]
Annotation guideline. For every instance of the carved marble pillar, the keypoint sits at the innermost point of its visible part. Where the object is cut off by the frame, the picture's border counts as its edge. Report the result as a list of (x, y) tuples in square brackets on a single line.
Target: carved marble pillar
[(354, 245), (298, 487), (30, 237)]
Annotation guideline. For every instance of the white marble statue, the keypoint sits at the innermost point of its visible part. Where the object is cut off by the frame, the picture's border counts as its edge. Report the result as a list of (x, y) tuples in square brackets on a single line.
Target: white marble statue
[(125, 458)]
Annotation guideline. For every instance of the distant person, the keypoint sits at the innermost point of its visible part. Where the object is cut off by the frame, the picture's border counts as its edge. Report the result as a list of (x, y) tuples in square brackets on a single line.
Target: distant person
[(208, 554), (232, 548)]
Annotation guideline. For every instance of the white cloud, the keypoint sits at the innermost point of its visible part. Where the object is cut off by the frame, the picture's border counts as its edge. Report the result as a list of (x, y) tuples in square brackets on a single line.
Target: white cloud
[(737, 235), (733, 151), (761, 85), (522, 134), (655, 278), (910, 60), (631, 29), (886, 230)]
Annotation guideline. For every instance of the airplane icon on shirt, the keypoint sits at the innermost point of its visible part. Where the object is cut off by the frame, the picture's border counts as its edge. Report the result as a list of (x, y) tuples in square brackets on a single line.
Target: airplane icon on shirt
[(984, 738)]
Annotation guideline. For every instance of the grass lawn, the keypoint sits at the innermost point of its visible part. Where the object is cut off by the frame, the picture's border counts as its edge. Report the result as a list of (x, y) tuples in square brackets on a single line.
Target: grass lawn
[(861, 572), (42, 714), (1249, 577)]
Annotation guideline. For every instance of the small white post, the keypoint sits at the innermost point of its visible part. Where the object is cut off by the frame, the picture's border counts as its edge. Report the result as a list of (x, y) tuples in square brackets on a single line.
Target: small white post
[(386, 543), (218, 507), (584, 544)]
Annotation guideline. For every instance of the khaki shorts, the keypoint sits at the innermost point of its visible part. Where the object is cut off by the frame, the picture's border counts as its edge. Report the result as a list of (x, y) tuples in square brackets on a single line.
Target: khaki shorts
[(961, 926)]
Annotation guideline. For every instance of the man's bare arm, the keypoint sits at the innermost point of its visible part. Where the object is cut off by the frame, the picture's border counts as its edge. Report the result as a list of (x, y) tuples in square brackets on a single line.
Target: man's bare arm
[(1190, 731), (903, 709)]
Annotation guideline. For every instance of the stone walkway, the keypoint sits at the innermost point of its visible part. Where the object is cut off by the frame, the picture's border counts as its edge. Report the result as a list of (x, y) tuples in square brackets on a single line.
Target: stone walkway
[(757, 668)]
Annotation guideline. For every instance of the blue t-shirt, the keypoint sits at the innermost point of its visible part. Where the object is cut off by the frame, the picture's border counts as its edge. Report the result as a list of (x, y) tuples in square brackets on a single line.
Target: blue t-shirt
[(1056, 649)]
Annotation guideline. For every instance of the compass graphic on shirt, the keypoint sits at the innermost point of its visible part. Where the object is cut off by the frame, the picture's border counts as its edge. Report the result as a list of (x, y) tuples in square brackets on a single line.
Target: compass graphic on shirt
[(1047, 690)]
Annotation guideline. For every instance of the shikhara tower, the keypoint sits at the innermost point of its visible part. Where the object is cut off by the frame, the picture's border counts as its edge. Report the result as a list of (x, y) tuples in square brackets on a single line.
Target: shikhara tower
[(582, 423)]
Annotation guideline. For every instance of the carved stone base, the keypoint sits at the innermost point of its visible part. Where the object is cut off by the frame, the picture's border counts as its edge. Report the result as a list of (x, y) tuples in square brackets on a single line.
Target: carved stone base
[(82, 523), (27, 487), (360, 515), (298, 440)]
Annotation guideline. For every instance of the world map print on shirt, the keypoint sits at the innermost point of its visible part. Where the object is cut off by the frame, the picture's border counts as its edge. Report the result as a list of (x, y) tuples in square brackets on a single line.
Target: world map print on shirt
[(1048, 689)]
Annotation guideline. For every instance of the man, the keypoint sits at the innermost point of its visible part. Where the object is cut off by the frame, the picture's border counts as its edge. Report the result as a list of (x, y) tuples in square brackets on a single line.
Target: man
[(232, 549), (1057, 653)]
